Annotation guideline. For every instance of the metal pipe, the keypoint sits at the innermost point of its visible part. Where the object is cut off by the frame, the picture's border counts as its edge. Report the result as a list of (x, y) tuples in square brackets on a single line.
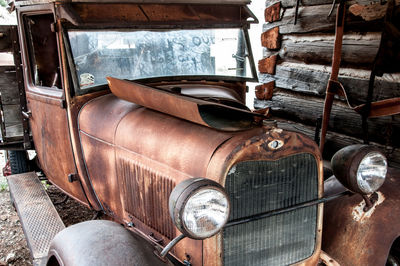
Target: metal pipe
[(285, 210), (170, 245)]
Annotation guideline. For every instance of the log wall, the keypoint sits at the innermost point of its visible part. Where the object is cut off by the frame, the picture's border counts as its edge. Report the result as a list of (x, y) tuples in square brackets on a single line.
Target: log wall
[(297, 64)]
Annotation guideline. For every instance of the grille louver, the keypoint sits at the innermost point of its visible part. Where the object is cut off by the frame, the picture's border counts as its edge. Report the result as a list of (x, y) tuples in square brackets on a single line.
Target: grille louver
[(260, 186), (146, 193)]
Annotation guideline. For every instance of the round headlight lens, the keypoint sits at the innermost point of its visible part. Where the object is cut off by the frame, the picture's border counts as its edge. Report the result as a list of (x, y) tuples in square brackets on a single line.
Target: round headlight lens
[(371, 172), (205, 212)]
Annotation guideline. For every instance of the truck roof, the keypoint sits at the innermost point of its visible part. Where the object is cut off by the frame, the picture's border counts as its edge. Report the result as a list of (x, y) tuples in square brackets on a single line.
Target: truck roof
[(214, 2), (150, 13)]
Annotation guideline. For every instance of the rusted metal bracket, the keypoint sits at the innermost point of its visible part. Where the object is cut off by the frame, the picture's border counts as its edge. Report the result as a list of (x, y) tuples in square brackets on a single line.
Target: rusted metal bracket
[(370, 201), (157, 240)]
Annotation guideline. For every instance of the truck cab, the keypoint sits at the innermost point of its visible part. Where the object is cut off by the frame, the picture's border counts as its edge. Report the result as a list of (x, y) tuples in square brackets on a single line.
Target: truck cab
[(137, 110)]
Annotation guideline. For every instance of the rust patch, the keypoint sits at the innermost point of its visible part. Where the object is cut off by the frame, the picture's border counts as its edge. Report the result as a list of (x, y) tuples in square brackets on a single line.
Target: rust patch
[(358, 213)]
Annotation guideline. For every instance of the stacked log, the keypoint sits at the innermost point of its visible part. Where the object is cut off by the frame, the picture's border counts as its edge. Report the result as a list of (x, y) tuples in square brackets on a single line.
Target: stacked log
[(297, 59)]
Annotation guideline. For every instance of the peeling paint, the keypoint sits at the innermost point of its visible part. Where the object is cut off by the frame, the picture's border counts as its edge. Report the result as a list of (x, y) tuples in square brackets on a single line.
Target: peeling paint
[(277, 130), (232, 170), (358, 211)]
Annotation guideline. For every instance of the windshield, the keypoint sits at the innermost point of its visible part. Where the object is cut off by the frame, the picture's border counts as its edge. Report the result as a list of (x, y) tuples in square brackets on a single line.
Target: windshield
[(149, 54)]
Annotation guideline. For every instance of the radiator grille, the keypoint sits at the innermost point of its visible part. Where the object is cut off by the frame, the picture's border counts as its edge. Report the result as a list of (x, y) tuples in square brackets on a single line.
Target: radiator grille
[(260, 186), (146, 195)]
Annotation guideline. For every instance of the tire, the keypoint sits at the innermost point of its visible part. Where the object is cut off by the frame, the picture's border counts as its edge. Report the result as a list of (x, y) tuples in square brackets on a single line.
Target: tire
[(18, 162), (394, 254)]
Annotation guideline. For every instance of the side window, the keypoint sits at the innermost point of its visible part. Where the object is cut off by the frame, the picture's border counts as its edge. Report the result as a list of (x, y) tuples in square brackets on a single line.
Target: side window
[(43, 53)]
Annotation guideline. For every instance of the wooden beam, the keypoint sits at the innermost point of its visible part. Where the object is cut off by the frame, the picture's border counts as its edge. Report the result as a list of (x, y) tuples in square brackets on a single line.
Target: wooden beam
[(273, 12), (336, 141), (5, 39), (307, 109), (8, 85), (300, 79), (267, 65), (265, 91), (12, 115), (292, 3), (271, 39), (315, 19), (359, 51)]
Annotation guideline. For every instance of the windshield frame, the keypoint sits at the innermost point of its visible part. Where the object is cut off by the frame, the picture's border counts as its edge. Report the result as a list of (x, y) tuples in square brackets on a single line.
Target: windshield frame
[(79, 91)]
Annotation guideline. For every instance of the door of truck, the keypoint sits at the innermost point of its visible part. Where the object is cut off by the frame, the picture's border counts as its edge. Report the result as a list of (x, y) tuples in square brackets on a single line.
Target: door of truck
[(45, 98)]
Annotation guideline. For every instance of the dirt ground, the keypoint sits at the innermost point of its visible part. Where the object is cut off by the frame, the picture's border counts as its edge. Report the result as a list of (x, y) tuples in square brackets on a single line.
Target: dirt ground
[(13, 247)]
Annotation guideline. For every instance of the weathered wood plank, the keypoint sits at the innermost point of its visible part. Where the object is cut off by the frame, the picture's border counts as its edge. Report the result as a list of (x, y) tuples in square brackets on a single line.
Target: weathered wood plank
[(307, 109), (359, 51), (314, 82), (336, 141), (267, 65), (271, 39), (265, 91), (12, 115), (315, 19), (292, 3), (5, 39), (273, 13), (14, 131), (8, 85)]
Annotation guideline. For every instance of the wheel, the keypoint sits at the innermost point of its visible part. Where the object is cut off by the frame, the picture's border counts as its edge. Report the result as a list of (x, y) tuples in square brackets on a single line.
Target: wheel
[(394, 255), (18, 162), (392, 261), (101, 243)]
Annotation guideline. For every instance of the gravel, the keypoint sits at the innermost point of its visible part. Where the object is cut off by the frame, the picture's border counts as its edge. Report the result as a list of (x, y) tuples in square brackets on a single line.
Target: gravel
[(13, 246)]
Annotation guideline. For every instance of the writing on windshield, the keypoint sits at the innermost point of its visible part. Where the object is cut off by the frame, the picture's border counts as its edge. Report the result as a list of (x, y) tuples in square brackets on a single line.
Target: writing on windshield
[(145, 54)]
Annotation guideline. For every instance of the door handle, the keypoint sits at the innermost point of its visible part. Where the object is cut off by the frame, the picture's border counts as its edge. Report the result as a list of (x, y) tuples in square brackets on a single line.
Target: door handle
[(27, 114)]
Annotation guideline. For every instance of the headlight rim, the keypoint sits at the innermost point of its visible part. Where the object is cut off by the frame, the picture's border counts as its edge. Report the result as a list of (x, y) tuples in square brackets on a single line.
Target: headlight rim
[(181, 195), (354, 155)]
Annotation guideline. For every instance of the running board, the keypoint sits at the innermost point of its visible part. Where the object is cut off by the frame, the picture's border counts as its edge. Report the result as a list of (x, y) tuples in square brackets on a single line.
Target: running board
[(40, 220)]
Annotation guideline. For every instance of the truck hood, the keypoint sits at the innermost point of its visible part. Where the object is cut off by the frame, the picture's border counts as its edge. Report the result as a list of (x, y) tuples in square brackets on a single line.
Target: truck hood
[(210, 113)]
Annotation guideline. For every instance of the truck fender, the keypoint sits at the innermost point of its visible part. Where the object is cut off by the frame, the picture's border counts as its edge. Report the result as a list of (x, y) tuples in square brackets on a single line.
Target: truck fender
[(100, 242), (354, 237)]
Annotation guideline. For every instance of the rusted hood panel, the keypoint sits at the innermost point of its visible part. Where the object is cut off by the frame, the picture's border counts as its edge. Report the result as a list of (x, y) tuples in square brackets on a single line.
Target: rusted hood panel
[(196, 110), (157, 136)]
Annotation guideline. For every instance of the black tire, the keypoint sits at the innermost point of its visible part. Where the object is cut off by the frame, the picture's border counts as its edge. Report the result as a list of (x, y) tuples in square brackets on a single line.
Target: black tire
[(18, 162)]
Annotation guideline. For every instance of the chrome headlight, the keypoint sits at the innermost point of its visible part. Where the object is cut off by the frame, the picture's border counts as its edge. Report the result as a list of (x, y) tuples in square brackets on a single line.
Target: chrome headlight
[(360, 168), (199, 207), (371, 172)]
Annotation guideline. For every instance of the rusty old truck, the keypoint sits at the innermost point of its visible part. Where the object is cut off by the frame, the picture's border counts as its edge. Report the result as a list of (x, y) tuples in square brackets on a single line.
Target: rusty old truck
[(136, 109)]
